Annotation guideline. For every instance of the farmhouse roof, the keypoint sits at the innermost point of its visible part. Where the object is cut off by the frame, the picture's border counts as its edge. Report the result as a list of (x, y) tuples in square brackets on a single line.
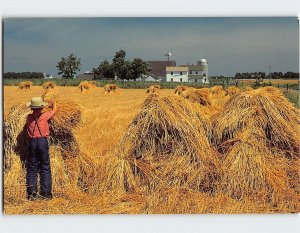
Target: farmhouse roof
[(158, 68), (176, 68)]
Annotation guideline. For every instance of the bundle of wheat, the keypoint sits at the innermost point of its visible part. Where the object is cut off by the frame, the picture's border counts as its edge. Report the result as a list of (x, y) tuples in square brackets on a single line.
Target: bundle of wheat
[(251, 168), (67, 117), (273, 113), (166, 142), (180, 89), (218, 97), (14, 180), (110, 88), (200, 96), (217, 90), (248, 88), (293, 173), (49, 85), (84, 86), (21, 86), (62, 127), (258, 134), (25, 85), (50, 94), (93, 83), (233, 90), (14, 134), (153, 89)]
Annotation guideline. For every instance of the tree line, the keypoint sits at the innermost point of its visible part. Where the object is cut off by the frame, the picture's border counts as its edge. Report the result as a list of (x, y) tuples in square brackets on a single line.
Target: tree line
[(263, 75), (118, 68), (23, 75)]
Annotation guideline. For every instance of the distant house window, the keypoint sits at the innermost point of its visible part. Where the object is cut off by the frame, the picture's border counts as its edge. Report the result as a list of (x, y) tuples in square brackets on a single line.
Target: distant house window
[(171, 79), (180, 79), (180, 73), (205, 80), (172, 74), (196, 72), (190, 72), (195, 80), (204, 75)]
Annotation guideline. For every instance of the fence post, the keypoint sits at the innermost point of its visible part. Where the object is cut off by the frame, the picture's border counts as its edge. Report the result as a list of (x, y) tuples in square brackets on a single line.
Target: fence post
[(287, 87)]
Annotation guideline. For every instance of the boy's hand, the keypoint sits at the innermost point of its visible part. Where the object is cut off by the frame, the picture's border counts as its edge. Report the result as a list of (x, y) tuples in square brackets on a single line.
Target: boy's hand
[(53, 104)]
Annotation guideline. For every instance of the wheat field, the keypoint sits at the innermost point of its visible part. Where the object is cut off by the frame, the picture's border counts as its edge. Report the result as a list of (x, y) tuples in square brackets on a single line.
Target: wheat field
[(105, 120)]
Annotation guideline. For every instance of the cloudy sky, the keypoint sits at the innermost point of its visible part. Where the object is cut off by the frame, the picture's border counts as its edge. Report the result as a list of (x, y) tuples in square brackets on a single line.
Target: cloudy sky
[(229, 44)]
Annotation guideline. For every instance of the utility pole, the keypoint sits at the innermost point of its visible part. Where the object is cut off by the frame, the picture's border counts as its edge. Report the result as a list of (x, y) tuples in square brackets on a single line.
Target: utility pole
[(168, 55), (270, 74)]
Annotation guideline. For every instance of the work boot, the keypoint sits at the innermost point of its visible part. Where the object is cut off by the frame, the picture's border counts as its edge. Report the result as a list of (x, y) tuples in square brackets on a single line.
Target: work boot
[(46, 196), (31, 196)]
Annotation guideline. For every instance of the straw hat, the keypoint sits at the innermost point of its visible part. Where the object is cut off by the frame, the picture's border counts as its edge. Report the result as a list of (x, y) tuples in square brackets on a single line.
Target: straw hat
[(36, 102)]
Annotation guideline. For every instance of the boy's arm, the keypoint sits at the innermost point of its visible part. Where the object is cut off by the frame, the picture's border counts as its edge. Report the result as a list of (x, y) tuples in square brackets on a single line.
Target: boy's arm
[(51, 113), (54, 106)]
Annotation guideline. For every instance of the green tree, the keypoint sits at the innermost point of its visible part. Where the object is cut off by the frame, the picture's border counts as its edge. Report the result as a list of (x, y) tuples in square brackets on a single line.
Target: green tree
[(104, 71), (118, 64), (121, 68), (69, 66), (137, 68), (262, 74), (126, 71), (238, 76)]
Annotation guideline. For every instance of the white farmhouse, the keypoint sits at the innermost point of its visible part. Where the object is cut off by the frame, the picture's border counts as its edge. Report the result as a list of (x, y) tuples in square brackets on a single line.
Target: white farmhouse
[(199, 73), (189, 73), (177, 74)]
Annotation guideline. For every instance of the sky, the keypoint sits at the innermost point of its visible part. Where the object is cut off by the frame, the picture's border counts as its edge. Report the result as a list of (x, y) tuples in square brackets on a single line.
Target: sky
[(229, 44)]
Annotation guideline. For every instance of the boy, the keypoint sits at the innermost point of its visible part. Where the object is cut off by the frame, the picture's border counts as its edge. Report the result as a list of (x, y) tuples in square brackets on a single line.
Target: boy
[(38, 148)]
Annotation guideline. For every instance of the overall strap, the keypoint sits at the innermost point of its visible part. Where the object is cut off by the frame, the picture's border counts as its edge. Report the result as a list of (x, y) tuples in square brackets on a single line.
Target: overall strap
[(36, 124)]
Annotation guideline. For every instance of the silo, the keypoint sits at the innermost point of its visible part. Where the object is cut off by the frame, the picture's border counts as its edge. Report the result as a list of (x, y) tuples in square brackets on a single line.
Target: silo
[(204, 64)]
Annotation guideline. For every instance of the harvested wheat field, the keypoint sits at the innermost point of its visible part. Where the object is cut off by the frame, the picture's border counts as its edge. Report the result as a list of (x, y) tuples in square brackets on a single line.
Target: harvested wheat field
[(196, 151)]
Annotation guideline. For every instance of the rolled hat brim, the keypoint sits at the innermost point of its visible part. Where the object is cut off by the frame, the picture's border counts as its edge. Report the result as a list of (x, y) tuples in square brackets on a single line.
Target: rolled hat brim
[(38, 106)]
